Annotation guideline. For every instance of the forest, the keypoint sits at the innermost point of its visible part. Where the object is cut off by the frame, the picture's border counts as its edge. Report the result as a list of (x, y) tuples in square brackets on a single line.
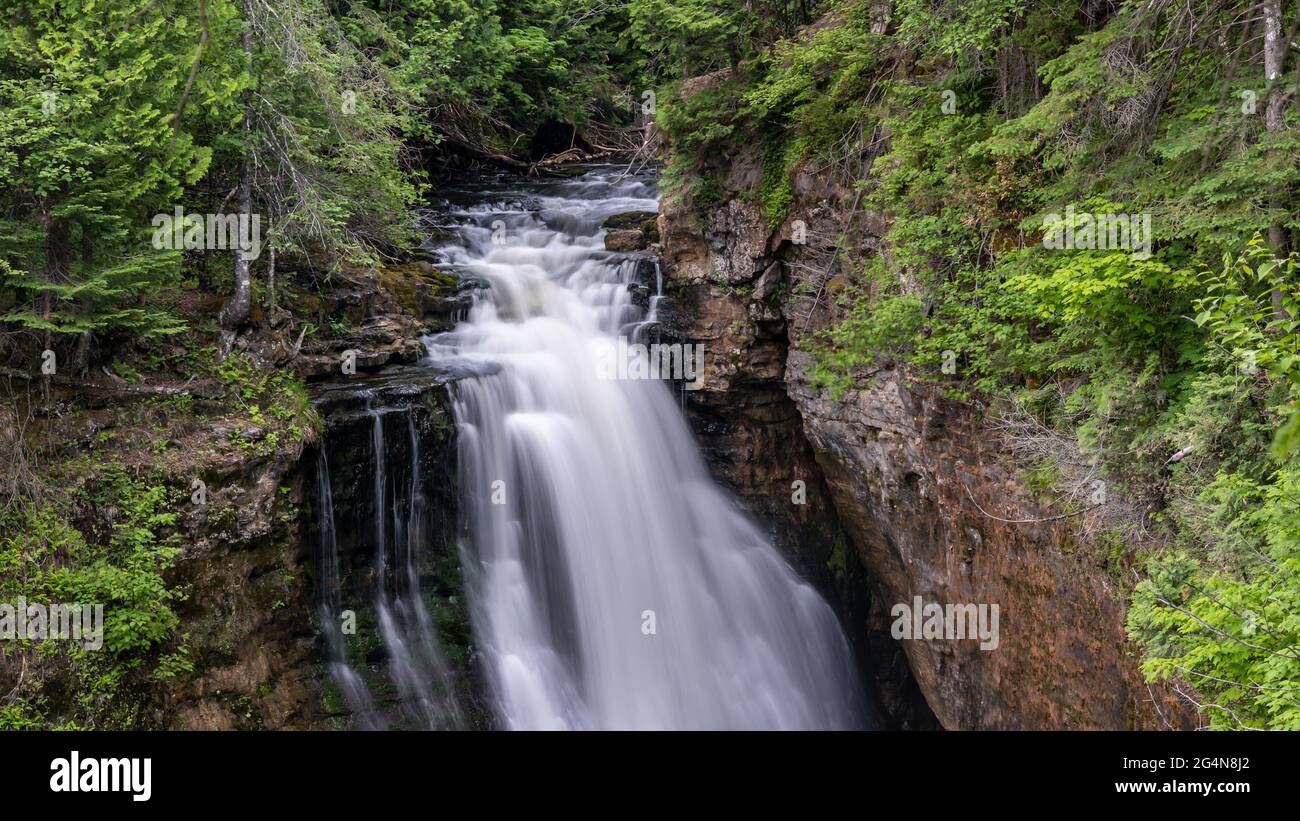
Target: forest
[(1088, 211)]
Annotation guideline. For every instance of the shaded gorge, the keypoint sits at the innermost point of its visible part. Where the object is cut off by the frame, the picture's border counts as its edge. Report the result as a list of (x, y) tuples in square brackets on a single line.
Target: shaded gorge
[(528, 542)]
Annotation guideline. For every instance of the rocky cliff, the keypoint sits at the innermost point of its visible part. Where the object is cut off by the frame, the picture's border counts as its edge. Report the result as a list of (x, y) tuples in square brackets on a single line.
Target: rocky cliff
[(230, 450), (929, 504), (251, 550)]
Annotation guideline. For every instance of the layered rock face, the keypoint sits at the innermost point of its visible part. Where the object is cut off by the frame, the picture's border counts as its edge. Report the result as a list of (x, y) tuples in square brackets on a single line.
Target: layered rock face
[(253, 567), (393, 519), (246, 568), (250, 560), (929, 504)]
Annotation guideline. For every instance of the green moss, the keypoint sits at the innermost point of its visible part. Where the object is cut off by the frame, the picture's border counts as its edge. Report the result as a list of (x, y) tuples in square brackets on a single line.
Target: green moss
[(837, 562), (409, 285), (775, 193)]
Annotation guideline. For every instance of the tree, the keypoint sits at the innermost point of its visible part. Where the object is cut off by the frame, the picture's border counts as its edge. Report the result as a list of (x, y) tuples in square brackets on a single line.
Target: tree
[(236, 311), (1275, 49), (319, 150), (88, 153)]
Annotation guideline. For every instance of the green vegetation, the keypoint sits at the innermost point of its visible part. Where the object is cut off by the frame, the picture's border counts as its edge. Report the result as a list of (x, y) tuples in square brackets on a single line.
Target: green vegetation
[(45, 559), (308, 115), (975, 129), (983, 132)]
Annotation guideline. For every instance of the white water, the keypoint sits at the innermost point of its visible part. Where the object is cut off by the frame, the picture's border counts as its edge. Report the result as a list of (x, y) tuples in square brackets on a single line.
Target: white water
[(415, 661), (608, 512), (416, 664), (355, 693)]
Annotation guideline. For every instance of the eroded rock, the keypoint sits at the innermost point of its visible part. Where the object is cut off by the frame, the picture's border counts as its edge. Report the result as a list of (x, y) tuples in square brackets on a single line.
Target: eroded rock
[(911, 477)]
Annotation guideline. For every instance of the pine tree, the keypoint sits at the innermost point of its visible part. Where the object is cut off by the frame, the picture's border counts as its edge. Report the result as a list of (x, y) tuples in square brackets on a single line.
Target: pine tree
[(88, 153)]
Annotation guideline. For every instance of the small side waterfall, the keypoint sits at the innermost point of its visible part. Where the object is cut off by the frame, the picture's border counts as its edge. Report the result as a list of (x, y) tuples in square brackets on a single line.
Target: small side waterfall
[(355, 693), (414, 663)]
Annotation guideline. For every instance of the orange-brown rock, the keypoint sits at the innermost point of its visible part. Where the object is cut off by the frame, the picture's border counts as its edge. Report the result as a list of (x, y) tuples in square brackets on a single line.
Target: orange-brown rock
[(915, 480)]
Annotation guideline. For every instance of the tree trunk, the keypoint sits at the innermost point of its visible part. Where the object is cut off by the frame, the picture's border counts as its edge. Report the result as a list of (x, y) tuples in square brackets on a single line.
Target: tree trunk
[(1274, 58), (81, 358), (880, 14), (1275, 49), (270, 277), (236, 311)]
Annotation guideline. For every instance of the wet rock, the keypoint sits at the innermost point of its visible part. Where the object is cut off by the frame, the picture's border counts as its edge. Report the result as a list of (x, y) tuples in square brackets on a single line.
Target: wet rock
[(625, 241), (631, 231), (412, 409), (630, 219)]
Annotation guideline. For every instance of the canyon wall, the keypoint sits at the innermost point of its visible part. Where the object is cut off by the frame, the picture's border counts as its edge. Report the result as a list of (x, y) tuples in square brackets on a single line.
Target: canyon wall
[(930, 505)]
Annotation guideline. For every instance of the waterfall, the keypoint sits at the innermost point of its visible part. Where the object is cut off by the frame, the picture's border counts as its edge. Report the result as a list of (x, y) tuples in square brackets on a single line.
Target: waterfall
[(612, 584), (416, 666), (415, 661), (355, 693)]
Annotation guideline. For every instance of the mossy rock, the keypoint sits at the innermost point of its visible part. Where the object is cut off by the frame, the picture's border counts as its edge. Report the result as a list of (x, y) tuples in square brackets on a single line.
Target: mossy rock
[(412, 283), (630, 219), (650, 229), (631, 231)]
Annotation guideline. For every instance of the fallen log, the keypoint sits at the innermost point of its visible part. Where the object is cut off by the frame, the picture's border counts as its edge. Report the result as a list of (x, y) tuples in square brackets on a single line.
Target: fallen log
[(98, 387)]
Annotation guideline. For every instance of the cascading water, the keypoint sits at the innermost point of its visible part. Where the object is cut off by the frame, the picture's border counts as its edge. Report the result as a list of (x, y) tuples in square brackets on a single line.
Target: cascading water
[(613, 585), (415, 663), (355, 693)]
